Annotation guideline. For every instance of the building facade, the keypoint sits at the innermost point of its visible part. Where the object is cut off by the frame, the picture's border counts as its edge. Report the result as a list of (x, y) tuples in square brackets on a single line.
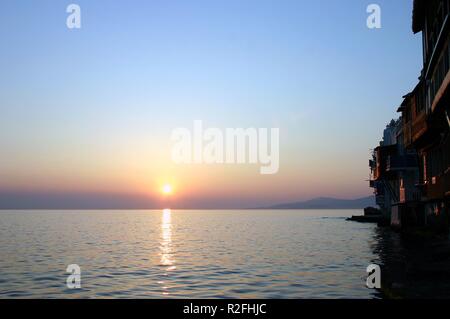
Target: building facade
[(418, 167)]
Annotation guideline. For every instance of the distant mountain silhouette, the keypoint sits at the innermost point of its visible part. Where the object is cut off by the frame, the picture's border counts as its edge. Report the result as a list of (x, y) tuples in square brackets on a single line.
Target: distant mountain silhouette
[(328, 203), (82, 201)]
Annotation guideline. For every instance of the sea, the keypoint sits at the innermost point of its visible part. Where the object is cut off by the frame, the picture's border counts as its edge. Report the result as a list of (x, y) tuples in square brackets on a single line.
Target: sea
[(264, 254)]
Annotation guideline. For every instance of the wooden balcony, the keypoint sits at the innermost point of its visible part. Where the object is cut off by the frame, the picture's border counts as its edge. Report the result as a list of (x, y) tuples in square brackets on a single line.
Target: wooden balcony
[(419, 127), (401, 163), (382, 154), (407, 134)]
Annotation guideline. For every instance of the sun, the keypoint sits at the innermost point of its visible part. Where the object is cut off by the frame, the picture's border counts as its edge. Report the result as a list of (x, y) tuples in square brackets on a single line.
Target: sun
[(167, 189)]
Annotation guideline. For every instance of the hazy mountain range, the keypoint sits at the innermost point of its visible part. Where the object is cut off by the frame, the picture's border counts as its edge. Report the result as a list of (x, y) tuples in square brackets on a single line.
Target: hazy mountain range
[(129, 201)]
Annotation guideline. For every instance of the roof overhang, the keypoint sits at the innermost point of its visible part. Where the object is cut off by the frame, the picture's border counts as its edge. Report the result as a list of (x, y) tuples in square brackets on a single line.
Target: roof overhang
[(387, 148), (418, 16)]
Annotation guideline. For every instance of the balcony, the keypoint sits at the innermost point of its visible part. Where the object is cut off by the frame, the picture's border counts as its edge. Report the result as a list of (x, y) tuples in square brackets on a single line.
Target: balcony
[(381, 155), (437, 74), (407, 134), (419, 126), (401, 163), (440, 81), (376, 173)]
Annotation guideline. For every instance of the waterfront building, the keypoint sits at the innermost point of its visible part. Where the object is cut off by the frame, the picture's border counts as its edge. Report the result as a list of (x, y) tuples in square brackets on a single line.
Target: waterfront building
[(417, 168)]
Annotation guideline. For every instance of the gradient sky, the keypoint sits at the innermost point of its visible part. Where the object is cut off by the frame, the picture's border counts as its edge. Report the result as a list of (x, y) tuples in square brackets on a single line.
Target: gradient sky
[(90, 112)]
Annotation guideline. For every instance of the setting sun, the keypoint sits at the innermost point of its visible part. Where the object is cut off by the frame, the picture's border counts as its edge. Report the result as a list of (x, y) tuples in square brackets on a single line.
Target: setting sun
[(167, 189)]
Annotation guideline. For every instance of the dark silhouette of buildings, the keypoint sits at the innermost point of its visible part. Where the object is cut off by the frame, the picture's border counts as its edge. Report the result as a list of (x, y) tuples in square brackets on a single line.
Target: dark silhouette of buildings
[(411, 167)]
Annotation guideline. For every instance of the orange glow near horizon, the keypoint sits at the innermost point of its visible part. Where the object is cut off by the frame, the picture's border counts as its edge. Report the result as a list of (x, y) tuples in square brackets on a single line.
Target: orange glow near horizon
[(166, 184)]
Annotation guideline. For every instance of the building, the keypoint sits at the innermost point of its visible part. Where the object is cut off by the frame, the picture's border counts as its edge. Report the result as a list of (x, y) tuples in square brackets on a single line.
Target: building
[(417, 168), (381, 181), (395, 173)]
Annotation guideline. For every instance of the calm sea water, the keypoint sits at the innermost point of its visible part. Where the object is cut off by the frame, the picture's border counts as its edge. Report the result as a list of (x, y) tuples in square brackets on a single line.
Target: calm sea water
[(186, 254)]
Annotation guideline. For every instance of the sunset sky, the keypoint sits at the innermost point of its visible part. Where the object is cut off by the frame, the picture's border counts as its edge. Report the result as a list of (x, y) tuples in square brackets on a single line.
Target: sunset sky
[(86, 115)]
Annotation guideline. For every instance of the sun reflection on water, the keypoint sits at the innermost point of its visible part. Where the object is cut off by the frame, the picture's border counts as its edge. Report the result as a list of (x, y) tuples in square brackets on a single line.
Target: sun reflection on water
[(166, 242), (166, 260)]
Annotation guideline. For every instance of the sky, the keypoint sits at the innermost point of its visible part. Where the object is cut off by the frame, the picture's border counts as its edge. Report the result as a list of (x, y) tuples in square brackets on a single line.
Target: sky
[(86, 115)]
